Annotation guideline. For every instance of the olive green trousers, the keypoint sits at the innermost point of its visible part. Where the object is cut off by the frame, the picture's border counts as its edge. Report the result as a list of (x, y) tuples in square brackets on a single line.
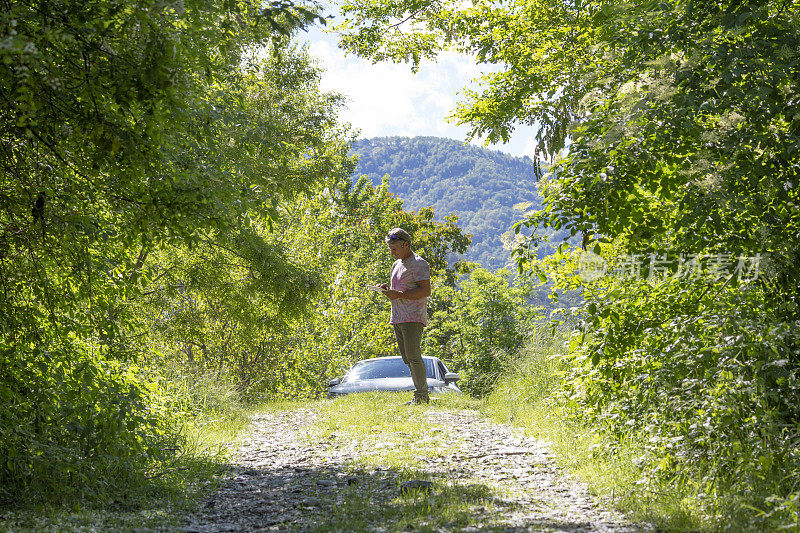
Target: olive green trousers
[(409, 343)]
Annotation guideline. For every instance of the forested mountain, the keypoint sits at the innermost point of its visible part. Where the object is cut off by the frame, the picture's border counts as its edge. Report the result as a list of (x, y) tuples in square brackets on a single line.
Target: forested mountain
[(488, 190)]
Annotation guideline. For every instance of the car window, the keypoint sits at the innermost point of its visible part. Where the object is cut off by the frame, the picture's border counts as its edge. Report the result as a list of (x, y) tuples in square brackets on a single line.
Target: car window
[(430, 370), (378, 368), (442, 369), (384, 368)]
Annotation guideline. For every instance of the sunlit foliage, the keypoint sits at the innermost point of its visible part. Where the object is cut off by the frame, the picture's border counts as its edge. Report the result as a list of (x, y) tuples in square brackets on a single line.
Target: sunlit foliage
[(674, 133), (127, 128)]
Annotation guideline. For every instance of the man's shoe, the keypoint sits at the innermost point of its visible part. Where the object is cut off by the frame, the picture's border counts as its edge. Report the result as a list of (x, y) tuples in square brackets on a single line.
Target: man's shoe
[(417, 401)]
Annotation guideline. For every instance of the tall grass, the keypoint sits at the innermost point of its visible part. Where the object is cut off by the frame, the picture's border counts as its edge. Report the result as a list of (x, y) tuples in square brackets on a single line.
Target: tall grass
[(528, 396), (207, 418), (215, 408)]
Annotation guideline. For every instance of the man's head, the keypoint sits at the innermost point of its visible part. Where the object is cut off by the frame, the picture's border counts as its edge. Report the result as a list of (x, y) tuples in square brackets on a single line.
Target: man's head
[(399, 242)]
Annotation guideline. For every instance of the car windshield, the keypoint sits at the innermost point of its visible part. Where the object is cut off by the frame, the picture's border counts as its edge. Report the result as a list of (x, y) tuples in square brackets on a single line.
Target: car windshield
[(384, 368)]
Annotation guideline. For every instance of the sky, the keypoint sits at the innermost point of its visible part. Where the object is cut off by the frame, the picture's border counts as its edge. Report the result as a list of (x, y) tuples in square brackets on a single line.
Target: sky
[(386, 99)]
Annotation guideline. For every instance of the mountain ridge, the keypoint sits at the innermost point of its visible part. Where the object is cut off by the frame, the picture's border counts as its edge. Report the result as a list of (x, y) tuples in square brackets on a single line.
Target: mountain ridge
[(487, 189)]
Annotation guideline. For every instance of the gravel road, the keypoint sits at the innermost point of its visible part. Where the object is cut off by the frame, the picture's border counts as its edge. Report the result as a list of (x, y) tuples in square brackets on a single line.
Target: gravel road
[(286, 479)]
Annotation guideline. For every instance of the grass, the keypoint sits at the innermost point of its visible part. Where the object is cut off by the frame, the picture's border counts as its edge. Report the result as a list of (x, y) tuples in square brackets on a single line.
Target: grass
[(615, 477), (381, 428), (167, 490), (393, 443), (524, 397), (444, 505)]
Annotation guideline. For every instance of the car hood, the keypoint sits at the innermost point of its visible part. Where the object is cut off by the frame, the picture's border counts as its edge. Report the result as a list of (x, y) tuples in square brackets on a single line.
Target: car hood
[(382, 384)]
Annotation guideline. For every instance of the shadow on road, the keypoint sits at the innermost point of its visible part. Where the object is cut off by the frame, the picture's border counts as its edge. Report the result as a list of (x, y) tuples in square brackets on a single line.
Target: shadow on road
[(361, 498)]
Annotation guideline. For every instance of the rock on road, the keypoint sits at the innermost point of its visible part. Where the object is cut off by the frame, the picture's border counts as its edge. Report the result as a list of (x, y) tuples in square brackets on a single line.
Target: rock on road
[(285, 479)]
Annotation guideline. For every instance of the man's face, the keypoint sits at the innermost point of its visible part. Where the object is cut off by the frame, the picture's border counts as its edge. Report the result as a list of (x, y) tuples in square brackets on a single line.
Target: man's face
[(397, 249)]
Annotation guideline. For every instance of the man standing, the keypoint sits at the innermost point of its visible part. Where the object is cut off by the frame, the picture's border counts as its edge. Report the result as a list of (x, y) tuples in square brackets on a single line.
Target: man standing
[(408, 290)]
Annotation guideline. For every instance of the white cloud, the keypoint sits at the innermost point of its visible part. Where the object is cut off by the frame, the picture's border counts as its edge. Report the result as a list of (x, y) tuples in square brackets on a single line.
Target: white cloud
[(385, 99), (530, 147)]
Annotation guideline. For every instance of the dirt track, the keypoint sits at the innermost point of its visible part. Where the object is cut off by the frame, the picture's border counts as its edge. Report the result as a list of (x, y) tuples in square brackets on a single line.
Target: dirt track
[(285, 480)]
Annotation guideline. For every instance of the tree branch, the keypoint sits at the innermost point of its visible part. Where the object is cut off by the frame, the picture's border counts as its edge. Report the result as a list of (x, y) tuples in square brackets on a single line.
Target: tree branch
[(409, 17)]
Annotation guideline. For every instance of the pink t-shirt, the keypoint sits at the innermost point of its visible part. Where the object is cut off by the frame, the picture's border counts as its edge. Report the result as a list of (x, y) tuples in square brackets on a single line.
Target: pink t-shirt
[(406, 275)]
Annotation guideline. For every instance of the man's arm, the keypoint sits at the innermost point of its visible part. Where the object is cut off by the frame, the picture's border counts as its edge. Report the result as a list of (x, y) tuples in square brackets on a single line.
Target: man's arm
[(423, 290)]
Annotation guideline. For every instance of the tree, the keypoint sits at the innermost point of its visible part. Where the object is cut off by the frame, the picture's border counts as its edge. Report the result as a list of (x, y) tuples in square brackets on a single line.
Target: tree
[(674, 135), (119, 125), (286, 334), (480, 326), (664, 113)]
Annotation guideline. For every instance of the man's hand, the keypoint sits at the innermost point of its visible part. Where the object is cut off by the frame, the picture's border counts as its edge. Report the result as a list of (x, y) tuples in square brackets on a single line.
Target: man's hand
[(422, 291), (389, 293), (392, 295)]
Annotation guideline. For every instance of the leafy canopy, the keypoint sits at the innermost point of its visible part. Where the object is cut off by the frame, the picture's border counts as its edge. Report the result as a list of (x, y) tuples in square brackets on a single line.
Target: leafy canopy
[(673, 129), (128, 128)]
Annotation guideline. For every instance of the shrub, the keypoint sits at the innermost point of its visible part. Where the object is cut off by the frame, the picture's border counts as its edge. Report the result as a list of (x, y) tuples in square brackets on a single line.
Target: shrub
[(480, 327), (74, 425)]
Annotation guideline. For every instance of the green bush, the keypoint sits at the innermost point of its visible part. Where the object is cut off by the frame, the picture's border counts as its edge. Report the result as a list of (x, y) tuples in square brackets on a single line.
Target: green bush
[(480, 326), (76, 425), (714, 477), (707, 376)]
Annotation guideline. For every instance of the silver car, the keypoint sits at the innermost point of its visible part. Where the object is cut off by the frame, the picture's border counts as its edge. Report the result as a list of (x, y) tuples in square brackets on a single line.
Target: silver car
[(392, 374)]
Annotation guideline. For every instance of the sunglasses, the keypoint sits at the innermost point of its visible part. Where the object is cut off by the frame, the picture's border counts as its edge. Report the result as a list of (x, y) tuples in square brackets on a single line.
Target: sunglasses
[(395, 238)]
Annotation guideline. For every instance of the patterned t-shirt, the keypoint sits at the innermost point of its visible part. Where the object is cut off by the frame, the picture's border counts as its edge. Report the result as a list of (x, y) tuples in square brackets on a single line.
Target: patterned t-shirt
[(406, 275)]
